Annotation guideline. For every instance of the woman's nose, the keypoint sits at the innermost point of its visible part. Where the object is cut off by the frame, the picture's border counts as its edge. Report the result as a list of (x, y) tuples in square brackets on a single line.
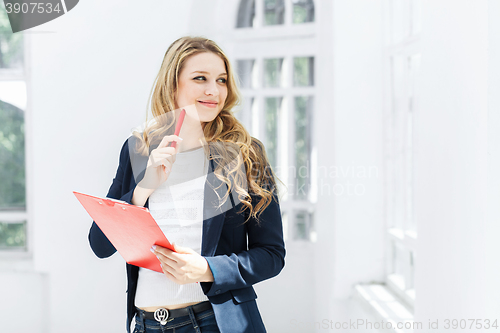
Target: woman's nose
[(212, 89)]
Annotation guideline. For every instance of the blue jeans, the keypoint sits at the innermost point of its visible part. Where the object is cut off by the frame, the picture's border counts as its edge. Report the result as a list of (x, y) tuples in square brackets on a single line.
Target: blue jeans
[(201, 322)]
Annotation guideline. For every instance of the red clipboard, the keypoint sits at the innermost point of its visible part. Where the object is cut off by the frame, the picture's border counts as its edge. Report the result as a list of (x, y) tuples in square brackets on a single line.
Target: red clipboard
[(131, 229)]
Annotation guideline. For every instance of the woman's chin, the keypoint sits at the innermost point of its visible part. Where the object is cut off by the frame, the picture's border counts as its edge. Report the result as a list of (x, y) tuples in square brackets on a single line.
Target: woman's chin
[(206, 118)]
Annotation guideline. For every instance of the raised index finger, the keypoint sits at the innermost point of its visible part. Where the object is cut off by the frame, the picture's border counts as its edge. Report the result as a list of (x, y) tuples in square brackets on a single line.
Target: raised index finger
[(167, 139)]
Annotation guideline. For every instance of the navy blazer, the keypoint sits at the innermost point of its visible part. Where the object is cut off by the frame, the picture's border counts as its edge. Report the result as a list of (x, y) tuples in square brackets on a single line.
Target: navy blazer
[(235, 264)]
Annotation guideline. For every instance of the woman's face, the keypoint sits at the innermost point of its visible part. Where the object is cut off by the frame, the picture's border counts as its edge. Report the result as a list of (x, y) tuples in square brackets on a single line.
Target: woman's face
[(202, 83)]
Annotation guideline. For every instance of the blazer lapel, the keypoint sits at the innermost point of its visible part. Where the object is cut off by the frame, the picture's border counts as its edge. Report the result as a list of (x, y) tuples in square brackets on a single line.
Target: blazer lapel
[(213, 217)]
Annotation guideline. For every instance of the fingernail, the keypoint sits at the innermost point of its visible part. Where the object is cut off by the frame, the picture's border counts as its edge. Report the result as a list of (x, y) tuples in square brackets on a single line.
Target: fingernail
[(153, 248), (181, 138)]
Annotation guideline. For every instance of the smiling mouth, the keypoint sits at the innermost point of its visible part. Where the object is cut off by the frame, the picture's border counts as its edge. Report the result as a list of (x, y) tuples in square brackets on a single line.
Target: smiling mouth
[(208, 103)]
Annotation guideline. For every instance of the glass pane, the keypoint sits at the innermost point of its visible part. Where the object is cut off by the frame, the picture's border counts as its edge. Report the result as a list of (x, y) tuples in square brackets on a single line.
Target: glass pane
[(400, 262), (301, 226), (389, 172), (411, 271), (400, 103), (303, 71), (272, 72), (313, 236), (416, 16), (12, 235), (303, 11), (400, 20), (256, 117), (272, 111), (12, 175), (284, 220), (244, 113), (413, 68), (246, 14), (303, 107), (244, 69), (14, 92), (11, 45), (274, 12)]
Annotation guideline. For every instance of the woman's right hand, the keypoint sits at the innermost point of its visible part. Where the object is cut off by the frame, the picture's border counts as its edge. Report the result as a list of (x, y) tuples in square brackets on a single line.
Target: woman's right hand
[(160, 163)]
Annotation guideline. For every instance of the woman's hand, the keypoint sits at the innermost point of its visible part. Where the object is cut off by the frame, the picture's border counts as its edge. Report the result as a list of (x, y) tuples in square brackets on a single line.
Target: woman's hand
[(160, 163), (184, 265)]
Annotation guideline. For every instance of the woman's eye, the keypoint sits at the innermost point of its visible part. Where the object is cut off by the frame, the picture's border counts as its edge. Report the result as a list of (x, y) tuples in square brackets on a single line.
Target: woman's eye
[(202, 77)]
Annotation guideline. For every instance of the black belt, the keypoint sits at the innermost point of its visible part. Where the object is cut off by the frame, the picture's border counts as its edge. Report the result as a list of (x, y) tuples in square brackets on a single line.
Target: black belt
[(161, 315)]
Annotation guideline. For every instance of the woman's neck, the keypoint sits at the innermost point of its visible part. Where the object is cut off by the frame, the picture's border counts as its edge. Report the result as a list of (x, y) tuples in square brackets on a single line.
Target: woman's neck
[(192, 135)]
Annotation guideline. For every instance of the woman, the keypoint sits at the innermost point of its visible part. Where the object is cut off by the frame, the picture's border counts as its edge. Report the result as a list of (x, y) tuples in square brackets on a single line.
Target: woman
[(214, 196)]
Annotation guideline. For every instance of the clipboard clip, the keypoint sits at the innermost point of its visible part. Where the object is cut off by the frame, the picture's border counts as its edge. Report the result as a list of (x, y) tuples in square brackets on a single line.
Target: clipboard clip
[(107, 202), (111, 202)]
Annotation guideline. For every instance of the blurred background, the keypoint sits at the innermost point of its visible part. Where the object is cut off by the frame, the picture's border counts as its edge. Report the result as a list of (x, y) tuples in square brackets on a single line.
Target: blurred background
[(382, 117)]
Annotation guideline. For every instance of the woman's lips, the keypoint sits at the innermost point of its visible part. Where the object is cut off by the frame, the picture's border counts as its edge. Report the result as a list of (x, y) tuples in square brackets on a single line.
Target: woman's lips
[(209, 105)]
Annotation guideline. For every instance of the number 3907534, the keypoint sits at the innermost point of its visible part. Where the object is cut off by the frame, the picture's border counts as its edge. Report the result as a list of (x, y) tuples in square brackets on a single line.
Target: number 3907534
[(32, 7)]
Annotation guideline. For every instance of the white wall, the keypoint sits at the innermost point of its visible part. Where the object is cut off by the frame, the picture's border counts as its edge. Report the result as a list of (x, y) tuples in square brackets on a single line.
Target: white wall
[(294, 285), (317, 279), (92, 70), (356, 144), (348, 132), (23, 302), (493, 227), (451, 162), (216, 20)]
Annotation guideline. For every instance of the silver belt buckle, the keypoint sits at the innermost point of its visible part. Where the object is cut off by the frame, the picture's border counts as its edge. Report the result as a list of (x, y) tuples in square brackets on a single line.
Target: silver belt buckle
[(161, 315)]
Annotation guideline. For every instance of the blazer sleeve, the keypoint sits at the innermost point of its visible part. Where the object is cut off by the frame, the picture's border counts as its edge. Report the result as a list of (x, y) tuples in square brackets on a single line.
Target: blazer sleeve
[(264, 259), (99, 243)]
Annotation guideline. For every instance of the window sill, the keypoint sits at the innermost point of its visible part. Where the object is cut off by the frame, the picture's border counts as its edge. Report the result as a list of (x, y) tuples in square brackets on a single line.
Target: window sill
[(380, 301), (396, 284), (280, 31), (16, 262)]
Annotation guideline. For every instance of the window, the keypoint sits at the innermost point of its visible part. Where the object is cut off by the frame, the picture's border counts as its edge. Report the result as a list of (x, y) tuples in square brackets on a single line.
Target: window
[(303, 120), (13, 214), (272, 115), (303, 11), (272, 72), (303, 71), (277, 84), (246, 14), (403, 62), (246, 72), (303, 225), (274, 13)]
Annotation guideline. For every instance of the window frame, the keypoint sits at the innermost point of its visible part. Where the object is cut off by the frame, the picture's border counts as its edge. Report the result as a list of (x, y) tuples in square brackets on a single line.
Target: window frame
[(16, 254), (305, 33), (404, 43), (278, 31)]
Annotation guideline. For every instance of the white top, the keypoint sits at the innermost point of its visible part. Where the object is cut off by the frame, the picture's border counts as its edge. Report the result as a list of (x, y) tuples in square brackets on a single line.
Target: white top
[(177, 207)]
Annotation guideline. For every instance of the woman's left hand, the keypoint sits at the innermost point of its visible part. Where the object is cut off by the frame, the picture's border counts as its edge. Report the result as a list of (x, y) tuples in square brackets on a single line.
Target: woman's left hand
[(184, 265)]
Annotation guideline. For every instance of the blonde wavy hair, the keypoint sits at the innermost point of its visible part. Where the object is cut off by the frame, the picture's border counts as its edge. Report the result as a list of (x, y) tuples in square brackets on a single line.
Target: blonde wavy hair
[(230, 141)]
